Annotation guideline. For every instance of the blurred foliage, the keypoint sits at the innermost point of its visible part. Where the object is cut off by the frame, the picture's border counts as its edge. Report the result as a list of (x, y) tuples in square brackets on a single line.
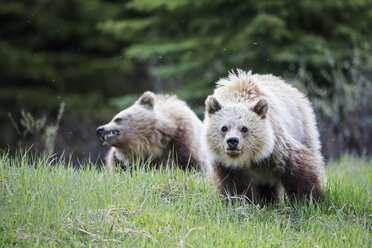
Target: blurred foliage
[(192, 43), (42, 134), (54, 48), (98, 56), (343, 110), (52, 52)]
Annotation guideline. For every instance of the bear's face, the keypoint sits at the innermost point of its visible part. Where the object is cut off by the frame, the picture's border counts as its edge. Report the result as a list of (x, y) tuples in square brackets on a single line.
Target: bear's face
[(132, 128), (236, 134)]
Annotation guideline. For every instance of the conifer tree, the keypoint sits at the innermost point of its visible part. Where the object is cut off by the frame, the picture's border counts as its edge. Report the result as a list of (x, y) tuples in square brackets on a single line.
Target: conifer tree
[(190, 43)]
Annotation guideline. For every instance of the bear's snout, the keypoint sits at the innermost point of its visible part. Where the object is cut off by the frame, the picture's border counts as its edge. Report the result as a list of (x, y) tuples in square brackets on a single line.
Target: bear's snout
[(100, 131), (233, 142), (107, 134)]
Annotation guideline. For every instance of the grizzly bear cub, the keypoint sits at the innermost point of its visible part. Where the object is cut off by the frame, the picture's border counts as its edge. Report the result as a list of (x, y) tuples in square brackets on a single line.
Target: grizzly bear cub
[(260, 135), (162, 129)]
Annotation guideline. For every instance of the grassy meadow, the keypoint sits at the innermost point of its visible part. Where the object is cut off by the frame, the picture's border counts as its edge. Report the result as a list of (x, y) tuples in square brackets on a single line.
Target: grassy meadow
[(46, 202)]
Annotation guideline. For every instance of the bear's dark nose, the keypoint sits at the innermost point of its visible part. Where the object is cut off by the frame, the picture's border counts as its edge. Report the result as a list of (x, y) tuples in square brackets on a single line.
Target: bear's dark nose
[(100, 131), (233, 142)]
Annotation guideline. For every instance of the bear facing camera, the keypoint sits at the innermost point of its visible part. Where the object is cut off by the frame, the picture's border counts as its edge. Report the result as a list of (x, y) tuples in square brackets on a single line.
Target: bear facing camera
[(261, 137), (162, 129)]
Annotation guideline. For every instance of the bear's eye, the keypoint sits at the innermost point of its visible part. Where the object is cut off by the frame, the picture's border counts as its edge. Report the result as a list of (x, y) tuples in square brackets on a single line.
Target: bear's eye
[(224, 129), (244, 129), (117, 120)]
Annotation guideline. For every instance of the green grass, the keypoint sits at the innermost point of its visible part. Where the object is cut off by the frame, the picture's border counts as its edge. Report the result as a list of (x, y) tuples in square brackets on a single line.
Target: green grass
[(44, 202)]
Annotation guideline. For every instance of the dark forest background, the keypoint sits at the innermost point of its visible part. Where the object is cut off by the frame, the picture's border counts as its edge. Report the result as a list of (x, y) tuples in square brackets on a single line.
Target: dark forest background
[(68, 66)]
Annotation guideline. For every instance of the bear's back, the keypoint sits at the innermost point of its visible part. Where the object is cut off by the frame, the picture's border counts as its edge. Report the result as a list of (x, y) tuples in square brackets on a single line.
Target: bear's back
[(176, 110), (187, 125), (290, 112)]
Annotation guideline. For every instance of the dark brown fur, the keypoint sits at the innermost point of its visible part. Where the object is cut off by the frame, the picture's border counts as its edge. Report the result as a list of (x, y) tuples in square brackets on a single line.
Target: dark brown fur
[(298, 179), (177, 154)]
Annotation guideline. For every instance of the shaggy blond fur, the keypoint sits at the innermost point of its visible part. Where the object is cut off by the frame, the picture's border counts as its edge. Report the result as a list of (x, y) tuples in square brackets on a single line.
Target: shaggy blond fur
[(162, 128), (280, 148)]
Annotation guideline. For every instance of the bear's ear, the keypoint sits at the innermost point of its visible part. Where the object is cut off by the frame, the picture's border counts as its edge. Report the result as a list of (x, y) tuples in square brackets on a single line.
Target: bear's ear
[(212, 105), (147, 100), (261, 108)]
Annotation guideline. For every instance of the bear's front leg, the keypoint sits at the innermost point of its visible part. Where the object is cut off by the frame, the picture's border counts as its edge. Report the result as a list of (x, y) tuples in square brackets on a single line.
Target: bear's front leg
[(303, 178), (232, 181), (265, 193)]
